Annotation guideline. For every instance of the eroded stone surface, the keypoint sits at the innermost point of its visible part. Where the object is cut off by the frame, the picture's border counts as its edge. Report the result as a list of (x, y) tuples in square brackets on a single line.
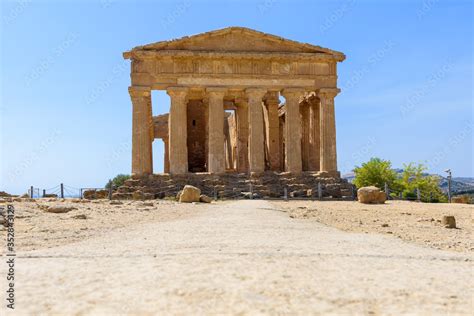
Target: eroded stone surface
[(244, 71)]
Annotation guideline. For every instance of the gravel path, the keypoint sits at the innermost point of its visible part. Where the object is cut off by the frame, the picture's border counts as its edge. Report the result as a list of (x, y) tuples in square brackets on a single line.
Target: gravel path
[(242, 257)]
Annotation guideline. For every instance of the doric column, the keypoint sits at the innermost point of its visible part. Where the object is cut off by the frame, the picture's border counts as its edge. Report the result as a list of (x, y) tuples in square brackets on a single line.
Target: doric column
[(293, 129), (273, 130), (167, 156), (314, 139), (177, 130), (142, 131), (242, 135), (328, 130), (256, 139), (305, 135), (216, 158)]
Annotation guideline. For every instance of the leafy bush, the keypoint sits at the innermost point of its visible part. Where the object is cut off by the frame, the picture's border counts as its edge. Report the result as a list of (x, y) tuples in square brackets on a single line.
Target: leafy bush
[(408, 195), (118, 180), (375, 172), (414, 177)]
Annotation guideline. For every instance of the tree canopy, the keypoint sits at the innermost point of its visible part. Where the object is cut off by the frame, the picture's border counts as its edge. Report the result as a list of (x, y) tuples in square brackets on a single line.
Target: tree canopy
[(374, 172)]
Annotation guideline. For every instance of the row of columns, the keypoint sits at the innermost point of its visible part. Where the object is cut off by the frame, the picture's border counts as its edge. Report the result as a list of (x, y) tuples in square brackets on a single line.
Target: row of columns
[(320, 126)]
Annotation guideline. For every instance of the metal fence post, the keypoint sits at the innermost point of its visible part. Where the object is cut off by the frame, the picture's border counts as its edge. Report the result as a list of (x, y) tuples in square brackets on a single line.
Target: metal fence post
[(320, 191), (110, 189), (353, 192), (31, 192), (387, 193), (80, 193), (62, 191), (44, 192), (285, 193), (418, 194), (215, 193)]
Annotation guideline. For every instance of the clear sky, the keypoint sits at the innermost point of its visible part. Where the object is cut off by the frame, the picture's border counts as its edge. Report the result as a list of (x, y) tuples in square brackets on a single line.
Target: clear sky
[(66, 114)]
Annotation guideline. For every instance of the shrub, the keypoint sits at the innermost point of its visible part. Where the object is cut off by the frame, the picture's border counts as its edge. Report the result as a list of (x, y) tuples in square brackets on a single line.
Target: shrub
[(118, 180), (375, 172)]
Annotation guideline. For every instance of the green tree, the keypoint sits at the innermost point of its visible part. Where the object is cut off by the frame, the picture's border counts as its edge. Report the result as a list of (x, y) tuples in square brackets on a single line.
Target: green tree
[(414, 177), (375, 172), (118, 180)]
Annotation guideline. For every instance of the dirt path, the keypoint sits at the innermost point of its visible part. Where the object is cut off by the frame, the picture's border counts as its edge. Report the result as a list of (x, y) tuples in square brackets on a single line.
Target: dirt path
[(244, 257)]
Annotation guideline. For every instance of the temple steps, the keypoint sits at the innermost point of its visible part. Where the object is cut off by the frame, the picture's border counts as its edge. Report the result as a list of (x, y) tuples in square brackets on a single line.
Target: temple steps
[(235, 185)]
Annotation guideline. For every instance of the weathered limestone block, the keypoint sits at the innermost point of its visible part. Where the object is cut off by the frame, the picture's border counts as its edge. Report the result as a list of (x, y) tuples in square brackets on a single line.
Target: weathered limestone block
[(95, 194), (448, 221), (205, 199), (371, 195), (57, 209), (463, 199), (190, 194)]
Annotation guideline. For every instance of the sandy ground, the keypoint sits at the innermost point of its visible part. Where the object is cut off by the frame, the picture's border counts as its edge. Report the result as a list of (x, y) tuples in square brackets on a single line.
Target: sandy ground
[(245, 257), (36, 229), (410, 221)]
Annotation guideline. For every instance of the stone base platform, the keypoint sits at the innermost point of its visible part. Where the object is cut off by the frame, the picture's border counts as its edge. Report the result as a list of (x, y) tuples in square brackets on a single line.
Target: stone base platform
[(238, 186)]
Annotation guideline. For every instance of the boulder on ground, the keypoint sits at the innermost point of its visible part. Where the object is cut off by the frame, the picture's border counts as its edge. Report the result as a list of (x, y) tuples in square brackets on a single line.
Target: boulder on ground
[(96, 194), (89, 194), (190, 194), (463, 199), (449, 221), (102, 194), (205, 199), (371, 195)]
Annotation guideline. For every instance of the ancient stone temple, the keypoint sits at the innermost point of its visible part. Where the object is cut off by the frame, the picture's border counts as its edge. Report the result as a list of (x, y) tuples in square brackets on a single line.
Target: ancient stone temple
[(241, 102)]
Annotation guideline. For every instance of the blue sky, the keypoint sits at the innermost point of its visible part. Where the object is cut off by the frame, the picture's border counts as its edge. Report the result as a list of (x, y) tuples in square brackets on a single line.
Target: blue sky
[(66, 113)]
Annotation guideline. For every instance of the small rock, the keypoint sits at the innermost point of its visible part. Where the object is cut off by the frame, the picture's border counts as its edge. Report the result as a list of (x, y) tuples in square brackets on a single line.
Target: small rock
[(205, 199), (385, 225), (115, 202), (80, 216), (57, 209), (448, 221)]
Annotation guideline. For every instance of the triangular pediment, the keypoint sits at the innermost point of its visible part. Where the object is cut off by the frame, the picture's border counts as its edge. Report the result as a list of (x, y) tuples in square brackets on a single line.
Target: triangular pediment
[(238, 39)]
